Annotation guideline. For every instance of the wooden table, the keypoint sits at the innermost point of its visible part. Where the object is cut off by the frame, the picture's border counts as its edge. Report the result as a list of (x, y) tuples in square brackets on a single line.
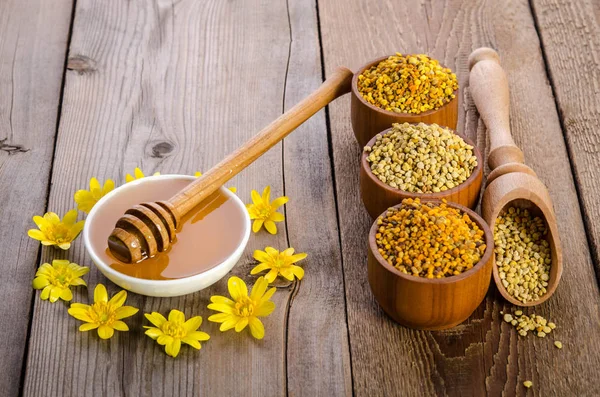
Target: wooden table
[(96, 88)]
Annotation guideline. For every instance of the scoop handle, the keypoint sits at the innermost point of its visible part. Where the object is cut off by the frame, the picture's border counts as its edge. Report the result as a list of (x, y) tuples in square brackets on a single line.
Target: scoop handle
[(489, 88), (338, 84)]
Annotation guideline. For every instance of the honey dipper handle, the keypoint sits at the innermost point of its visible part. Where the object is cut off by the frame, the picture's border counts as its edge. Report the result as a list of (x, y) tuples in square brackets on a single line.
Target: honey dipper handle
[(338, 84), (489, 88)]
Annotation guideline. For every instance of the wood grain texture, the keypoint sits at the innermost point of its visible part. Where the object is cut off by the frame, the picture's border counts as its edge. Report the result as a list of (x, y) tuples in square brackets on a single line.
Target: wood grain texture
[(33, 44), (481, 356), (318, 352), (570, 35), (175, 87)]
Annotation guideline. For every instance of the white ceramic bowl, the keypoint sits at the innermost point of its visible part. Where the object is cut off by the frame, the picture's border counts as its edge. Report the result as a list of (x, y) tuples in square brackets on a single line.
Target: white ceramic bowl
[(132, 193)]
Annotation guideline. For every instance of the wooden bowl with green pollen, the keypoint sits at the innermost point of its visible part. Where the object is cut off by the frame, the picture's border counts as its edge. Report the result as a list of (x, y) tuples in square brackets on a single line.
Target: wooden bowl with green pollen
[(368, 120), (430, 304), (378, 196)]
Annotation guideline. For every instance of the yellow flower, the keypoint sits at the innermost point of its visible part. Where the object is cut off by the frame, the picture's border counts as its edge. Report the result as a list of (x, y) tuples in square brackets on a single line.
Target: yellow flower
[(104, 314), (53, 231), (170, 333), (138, 174), (263, 210), (233, 189), (55, 280), (279, 263), (243, 309), (86, 199)]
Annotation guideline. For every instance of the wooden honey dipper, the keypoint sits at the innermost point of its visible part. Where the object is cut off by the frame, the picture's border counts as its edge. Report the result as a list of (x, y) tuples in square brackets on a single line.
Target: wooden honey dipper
[(510, 182), (149, 228)]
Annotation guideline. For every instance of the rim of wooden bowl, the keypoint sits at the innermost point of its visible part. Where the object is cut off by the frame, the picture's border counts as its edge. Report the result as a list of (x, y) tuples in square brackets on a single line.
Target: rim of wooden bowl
[(496, 274), (389, 112), (487, 254), (424, 196)]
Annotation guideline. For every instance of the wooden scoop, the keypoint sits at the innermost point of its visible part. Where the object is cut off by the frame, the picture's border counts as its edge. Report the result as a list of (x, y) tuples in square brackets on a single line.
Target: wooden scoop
[(149, 228), (510, 182)]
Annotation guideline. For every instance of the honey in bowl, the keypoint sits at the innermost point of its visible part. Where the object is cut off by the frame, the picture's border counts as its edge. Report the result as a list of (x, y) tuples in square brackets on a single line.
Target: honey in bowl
[(207, 236)]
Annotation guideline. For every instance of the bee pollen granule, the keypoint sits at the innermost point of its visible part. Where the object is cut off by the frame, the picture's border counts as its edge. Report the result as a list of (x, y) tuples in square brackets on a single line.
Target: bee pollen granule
[(429, 240)]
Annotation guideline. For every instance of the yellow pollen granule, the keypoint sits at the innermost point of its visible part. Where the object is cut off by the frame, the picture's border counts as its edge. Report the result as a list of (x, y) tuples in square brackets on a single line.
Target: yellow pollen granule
[(429, 240), (407, 84)]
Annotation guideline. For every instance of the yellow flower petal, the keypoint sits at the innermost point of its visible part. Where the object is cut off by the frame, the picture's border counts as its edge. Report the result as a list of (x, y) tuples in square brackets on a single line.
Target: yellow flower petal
[(265, 309), (55, 293), (105, 332), (271, 251), (241, 324), (156, 318), (40, 282), (272, 275), (221, 299), (197, 174), (164, 339), (192, 342), (270, 226), (172, 349), (39, 221), (199, 335), (70, 217), (94, 184), (80, 314), (66, 295), (175, 316), (219, 318), (138, 173), (221, 307), (52, 218), (109, 186), (64, 246), (192, 324), (237, 288), (36, 234), (100, 294), (278, 202), (287, 273), (259, 288), (266, 195), (298, 271), (257, 328), (88, 326), (288, 252), (255, 197), (118, 299), (125, 311), (46, 293), (259, 268), (120, 326), (153, 332), (277, 217), (256, 225), (232, 189), (228, 324), (261, 256), (268, 295)]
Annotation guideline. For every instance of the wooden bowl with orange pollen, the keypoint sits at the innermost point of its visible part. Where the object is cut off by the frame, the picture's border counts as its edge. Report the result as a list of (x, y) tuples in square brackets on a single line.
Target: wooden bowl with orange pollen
[(421, 247), (368, 119)]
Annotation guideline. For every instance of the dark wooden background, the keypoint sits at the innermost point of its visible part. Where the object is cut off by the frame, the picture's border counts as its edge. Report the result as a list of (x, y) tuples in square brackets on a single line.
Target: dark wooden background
[(96, 88)]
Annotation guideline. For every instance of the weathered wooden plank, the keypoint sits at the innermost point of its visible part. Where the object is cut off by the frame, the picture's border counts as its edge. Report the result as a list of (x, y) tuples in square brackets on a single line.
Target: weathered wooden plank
[(175, 87), (482, 355), (570, 36), (318, 361), (33, 43)]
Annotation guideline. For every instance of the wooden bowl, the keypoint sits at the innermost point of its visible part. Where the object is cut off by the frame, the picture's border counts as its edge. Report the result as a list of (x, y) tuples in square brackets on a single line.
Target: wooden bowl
[(378, 196), (430, 304), (369, 120)]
